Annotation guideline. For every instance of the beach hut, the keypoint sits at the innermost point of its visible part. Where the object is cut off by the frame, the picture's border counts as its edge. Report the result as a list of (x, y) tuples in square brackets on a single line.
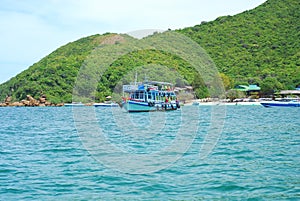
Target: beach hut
[(249, 90)]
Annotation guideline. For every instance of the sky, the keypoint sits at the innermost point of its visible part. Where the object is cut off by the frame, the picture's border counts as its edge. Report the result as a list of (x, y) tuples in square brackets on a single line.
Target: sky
[(32, 29)]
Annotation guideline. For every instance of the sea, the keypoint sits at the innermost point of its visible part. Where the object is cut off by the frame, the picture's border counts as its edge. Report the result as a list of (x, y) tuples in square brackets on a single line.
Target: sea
[(196, 153)]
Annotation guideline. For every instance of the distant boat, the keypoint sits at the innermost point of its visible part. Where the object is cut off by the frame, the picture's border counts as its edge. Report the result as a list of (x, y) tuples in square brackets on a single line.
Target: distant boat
[(149, 96), (74, 104), (106, 104), (290, 103), (195, 103)]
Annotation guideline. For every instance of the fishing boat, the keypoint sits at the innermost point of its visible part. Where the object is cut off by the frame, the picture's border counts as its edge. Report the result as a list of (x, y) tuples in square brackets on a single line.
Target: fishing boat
[(111, 104), (282, 103), (149, 96)]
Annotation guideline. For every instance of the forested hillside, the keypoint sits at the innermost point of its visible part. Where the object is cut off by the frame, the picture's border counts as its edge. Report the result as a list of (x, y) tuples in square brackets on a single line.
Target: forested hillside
[(53, 75), (260, 46)]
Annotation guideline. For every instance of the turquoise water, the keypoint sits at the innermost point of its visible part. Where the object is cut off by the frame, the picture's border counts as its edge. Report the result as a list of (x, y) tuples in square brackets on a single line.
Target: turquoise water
[(256, 157)]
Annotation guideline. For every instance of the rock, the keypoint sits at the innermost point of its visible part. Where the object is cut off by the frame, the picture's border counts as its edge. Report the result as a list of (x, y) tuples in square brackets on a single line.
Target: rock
[(29, 98), (16, 104), (7, 99), (42, 100), (25, 102), (32, 101), (29, 102)]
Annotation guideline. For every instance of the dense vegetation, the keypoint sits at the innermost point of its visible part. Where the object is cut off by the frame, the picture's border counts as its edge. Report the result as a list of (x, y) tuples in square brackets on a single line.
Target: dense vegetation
[(102, 76), (260, 46), (53, 75), (149, 65)]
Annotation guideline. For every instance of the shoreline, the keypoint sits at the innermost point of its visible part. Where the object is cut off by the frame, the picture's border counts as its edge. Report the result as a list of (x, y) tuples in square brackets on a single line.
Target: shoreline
[(189, 103), (222, 103)]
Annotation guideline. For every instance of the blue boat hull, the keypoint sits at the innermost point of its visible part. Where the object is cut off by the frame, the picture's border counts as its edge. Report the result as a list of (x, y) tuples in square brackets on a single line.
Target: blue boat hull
[(134, 106), (280, 104)]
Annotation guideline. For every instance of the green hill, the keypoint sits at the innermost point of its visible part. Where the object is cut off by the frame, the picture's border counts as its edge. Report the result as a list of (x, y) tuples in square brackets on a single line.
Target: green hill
[(260, 46), (53, 75)]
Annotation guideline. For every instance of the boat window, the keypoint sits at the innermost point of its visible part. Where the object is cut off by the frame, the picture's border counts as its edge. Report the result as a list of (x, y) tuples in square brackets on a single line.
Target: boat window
[(141, 95), (153, 95)]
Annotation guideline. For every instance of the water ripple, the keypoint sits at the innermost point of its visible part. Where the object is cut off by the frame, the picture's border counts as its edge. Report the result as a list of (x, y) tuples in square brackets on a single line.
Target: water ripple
[(257, 158)]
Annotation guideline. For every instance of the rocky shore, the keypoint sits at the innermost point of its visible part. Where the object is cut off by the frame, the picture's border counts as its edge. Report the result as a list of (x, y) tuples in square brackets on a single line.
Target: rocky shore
[(29, 102)]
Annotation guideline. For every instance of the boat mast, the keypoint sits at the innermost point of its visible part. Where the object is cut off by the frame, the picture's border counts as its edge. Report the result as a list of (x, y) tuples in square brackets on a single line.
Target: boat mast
[(135, 80)]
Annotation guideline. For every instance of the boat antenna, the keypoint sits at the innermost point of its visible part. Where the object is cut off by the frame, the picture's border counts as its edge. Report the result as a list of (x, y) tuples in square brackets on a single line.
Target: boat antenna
[(135, 80), (146, 78)]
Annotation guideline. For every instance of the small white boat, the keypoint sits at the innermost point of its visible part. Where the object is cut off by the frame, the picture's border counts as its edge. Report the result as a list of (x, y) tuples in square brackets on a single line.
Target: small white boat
[(74, 104), (106, 104), (195, 103)]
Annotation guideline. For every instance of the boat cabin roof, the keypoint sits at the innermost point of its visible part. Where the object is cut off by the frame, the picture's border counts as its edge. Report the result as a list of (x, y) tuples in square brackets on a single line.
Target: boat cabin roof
[(158, 83), (149, 85)]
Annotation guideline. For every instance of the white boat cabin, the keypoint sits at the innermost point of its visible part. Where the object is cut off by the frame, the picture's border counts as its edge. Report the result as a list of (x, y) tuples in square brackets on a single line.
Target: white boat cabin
[(149, 92)]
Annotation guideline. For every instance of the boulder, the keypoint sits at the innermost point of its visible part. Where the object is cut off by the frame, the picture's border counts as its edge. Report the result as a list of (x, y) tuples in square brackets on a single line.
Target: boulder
[(42, 100), (7, 100), (29, 98), (16, 104), (32, 101), (25, 102)]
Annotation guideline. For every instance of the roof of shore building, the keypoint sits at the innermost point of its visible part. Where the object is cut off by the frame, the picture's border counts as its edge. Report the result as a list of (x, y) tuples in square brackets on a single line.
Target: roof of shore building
[(251, 87)]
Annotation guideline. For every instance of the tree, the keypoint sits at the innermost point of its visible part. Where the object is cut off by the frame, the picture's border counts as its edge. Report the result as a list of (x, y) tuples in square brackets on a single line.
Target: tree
[(226, 81), (270, 85), (233, 94)]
